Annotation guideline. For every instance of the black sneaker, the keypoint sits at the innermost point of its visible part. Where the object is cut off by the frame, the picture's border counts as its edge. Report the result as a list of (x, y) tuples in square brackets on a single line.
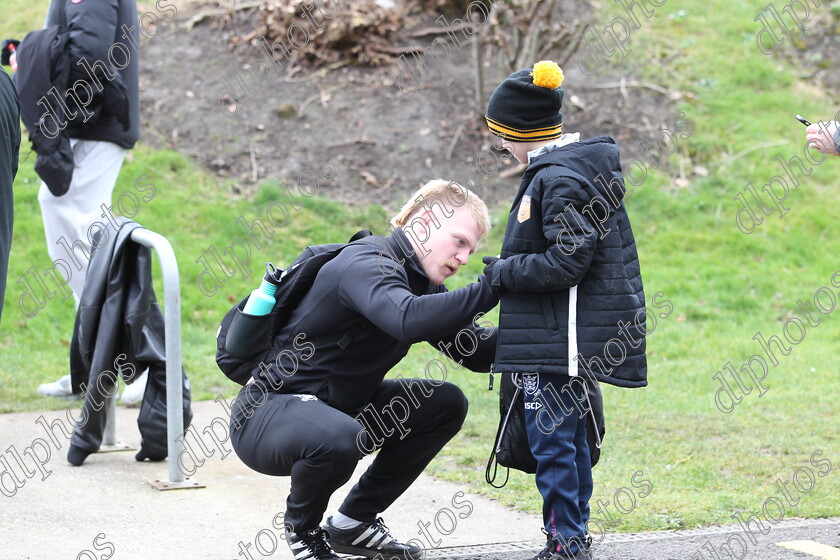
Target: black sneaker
[(549, 550), (372, 540), (311, 545), (554, 551), (583, 553)]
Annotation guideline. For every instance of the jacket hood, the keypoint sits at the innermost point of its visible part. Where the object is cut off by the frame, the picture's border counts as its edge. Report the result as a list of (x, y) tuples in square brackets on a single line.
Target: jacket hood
[(596, 157)]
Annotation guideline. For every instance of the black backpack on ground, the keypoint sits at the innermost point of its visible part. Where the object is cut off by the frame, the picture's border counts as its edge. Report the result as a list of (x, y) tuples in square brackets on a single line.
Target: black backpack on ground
[(243, 340)]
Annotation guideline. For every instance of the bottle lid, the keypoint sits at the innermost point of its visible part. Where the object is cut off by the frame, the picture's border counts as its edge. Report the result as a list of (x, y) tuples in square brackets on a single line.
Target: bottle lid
[(273, 275)]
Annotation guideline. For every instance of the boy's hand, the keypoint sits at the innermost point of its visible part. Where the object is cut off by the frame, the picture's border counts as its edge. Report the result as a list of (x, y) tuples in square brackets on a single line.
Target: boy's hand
[(490, 262)]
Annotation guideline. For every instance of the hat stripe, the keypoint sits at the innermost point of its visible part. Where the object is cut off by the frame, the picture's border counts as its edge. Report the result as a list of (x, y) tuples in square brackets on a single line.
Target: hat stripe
[(513, 134), (521, 130)]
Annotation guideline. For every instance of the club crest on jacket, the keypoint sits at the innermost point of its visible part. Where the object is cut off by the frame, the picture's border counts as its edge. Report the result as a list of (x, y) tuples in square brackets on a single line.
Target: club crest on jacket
[(524, 209)]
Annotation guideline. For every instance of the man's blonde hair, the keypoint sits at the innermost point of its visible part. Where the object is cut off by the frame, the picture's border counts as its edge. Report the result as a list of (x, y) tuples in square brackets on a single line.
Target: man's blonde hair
[(449, 195)]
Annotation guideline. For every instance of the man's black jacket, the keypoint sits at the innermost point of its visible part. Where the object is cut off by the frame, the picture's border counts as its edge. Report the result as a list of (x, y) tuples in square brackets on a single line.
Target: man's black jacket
[(119, 325), (365, 309)]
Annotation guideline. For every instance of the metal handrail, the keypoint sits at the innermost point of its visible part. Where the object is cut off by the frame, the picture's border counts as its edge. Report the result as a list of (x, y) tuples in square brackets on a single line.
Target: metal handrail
[(172, 322)]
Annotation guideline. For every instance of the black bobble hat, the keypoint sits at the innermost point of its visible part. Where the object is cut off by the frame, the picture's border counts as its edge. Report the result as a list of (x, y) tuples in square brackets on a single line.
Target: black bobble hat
[(525, 107)]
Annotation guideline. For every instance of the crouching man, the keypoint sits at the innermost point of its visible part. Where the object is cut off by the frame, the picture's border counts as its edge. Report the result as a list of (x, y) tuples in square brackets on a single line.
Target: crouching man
[(314, 419)]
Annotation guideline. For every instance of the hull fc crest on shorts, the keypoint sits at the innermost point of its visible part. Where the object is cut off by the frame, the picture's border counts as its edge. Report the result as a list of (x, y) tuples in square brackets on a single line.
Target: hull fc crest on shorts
[(530, 382)]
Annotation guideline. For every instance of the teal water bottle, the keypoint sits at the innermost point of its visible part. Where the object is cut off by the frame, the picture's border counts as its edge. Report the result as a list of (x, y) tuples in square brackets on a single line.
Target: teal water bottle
[(262, 300)]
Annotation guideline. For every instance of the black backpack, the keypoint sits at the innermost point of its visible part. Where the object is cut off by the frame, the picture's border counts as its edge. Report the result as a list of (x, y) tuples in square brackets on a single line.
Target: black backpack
[(243, 341), (511, 448)]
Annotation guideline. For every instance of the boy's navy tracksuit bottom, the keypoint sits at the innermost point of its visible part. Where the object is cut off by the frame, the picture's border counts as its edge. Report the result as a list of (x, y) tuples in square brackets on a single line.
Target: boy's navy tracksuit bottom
[(555, 420)]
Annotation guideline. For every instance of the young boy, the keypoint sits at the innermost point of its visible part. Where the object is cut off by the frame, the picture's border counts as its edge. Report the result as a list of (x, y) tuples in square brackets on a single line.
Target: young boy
[(572, 304)]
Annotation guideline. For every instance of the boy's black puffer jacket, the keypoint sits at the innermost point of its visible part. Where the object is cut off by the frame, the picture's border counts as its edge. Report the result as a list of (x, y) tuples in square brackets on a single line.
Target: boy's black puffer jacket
[(572, 300)]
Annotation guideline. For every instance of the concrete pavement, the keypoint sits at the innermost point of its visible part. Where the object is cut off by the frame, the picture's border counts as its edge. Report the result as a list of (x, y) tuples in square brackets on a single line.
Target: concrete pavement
[(107, 508)]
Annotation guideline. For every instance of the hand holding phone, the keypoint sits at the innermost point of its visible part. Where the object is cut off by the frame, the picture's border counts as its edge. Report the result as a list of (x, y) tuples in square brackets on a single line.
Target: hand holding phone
[(825, 140)]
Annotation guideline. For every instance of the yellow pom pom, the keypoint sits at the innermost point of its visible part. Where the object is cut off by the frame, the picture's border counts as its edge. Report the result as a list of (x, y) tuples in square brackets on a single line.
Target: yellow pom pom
[(547, 74)]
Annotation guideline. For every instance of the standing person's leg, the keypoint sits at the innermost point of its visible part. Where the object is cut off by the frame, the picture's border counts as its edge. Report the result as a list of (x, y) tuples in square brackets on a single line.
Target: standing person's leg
[(411, 420), (69, 219), (556, 427), (583, 461)]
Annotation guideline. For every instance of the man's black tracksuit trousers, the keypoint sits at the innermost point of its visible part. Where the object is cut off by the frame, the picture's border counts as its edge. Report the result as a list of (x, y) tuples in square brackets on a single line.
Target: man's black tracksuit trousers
[(408, 420)]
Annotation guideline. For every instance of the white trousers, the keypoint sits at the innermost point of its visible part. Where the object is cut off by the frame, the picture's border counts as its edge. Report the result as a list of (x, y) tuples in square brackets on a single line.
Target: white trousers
[(69, 219)]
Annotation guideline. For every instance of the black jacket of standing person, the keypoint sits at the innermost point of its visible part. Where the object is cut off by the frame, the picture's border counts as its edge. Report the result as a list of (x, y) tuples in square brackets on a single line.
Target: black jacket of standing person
[(9, 149), (104, 51), (119, 326), (365, 309), (79, 78)]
